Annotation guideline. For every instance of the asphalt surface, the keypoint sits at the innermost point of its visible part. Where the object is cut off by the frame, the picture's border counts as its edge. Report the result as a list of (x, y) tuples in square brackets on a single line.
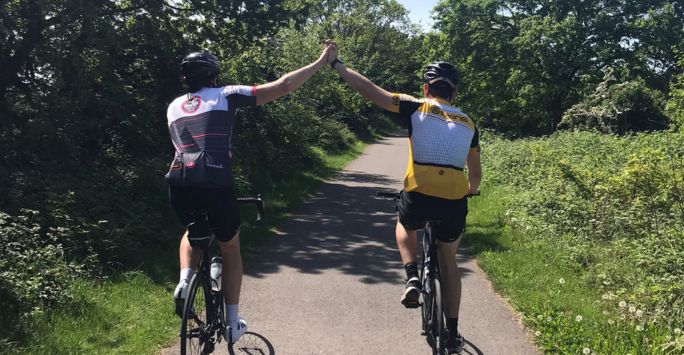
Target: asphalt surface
[(331, 281)]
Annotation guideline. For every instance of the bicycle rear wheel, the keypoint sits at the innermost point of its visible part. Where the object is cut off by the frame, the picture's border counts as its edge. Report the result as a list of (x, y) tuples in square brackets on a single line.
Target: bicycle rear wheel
[(428, 316), (439, 327), (195, 332)]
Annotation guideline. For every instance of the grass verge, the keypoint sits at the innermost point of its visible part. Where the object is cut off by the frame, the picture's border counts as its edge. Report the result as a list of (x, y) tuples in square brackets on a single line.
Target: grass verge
[(564, 311), (131, 313)]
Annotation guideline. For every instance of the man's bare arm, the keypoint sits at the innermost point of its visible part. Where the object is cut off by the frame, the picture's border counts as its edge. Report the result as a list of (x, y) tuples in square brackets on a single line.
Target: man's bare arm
[(291, 81), (474, 170), (362, 85)]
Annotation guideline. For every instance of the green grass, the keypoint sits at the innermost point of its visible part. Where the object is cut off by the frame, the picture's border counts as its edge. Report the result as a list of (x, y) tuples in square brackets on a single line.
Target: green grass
[(128, 315), (551, 291), (132, 313)]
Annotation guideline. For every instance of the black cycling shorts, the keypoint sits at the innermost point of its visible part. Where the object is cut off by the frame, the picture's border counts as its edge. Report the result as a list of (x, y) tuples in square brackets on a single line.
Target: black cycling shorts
[(220, 205), (415, 209)]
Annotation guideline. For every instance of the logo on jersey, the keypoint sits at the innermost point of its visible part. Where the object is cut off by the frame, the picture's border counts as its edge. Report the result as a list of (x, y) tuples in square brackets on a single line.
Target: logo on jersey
[(190, 164), (435, 109), (190, 106), (395, 100)]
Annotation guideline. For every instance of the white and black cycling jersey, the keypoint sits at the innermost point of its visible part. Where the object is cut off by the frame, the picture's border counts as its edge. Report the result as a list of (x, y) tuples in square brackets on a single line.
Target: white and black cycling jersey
[(201, 128)]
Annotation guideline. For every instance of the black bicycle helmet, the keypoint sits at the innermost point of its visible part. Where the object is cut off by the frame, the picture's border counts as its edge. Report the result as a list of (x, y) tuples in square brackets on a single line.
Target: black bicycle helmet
[(199, 65), (441, 71)]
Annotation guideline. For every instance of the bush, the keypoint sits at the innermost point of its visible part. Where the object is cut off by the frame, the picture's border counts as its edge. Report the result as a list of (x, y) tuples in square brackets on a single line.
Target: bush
[(614, 205), (618, 107), (35, 274)]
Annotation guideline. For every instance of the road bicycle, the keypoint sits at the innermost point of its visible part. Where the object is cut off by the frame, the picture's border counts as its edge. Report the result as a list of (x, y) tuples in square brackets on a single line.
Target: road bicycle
[(433, 314), (203, 316)]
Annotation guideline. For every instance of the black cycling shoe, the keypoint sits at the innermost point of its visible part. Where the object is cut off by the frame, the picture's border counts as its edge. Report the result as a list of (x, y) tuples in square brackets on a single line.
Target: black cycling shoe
[(455, 344), (411, 293)]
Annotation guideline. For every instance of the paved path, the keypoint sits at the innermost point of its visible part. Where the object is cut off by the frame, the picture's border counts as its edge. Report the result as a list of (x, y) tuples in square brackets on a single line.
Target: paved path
[(330, 282)]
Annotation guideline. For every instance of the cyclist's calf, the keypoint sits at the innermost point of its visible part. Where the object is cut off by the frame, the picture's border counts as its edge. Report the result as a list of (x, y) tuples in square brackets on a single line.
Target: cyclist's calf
[(450, 276), (232, 269)]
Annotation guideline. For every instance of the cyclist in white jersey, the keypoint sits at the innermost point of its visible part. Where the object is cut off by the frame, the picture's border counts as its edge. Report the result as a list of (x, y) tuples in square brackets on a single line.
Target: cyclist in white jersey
[(200, 176)]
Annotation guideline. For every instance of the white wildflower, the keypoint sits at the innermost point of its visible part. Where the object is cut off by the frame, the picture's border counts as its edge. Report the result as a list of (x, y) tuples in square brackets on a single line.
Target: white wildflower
[(605, 313), (639, 313), (632, 309), (622, 304), (586, 351), (578, 318), (537, 333), (540, 317), (548, 319), (611, 322), (677, 331), (639, 328), (605, 296), (561, 280)]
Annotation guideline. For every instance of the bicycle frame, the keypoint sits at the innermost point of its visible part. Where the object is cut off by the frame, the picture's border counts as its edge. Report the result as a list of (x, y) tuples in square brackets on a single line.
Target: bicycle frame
[(209, 332), (430, 264), (432, 309)]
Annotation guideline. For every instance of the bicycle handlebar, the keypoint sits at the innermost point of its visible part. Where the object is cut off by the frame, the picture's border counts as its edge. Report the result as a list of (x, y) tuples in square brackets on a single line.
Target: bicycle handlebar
[(257, 201), (395, 195)]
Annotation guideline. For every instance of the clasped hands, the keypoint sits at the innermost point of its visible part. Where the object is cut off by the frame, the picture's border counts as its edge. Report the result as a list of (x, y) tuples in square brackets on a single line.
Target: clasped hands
[(329, 53)]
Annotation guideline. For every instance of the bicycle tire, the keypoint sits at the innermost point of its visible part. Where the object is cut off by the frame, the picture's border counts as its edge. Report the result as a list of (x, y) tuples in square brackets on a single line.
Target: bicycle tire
[(193, 327), (251, 343), (426, 305), (440, 326)]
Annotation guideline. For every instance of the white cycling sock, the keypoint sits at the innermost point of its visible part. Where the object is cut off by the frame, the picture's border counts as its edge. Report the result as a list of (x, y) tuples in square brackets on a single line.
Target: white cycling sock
[(231, 313), (186, 274)]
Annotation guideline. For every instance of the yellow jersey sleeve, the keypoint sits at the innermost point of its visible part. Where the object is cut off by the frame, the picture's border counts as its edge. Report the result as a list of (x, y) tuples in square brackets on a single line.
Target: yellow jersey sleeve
[(405, 106)]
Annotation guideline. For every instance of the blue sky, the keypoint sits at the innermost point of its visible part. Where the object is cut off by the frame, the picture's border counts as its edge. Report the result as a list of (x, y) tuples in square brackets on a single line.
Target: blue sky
[(420, 11)]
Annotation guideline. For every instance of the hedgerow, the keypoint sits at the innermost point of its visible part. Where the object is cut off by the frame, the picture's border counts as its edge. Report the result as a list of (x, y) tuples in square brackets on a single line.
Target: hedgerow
[(614, 206)]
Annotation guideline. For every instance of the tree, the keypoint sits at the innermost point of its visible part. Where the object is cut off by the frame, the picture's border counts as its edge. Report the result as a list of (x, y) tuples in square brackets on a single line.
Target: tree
[(526, 62)]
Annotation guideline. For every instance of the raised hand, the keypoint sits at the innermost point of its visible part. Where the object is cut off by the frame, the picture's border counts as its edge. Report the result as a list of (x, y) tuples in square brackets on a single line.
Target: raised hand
[(334, 51), (325, 54)]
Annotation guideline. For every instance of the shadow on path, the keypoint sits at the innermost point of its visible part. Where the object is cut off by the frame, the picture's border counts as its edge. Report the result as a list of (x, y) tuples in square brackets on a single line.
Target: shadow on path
[(342, 227)]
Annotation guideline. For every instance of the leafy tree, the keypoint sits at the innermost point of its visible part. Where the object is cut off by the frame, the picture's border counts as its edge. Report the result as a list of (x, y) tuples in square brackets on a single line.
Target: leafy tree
[(675, 106), (526, 62), (618, 107)]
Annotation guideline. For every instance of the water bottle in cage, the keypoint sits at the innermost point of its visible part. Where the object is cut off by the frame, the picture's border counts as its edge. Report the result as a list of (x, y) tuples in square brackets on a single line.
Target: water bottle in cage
[(216, 273)]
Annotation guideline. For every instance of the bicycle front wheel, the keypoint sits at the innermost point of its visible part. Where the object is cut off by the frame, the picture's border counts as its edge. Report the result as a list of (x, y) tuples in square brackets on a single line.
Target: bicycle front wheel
[(195, 332)]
